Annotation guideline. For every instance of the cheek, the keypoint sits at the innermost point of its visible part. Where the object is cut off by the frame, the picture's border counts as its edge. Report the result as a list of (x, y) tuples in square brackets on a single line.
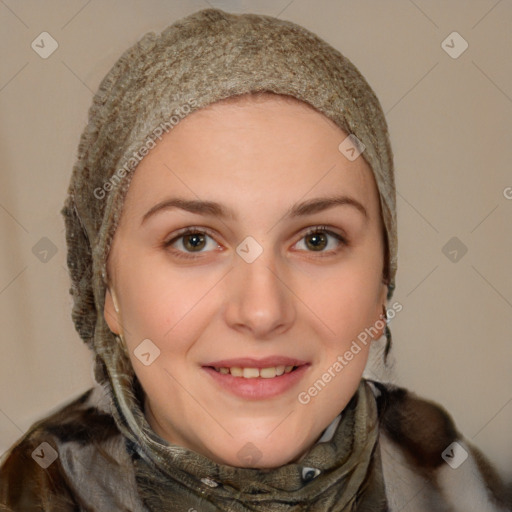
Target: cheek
[(345, 299), (163, 304)]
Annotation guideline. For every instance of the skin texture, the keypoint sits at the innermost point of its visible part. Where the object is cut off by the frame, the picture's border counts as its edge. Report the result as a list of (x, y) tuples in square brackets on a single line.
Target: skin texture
[(257, 156)]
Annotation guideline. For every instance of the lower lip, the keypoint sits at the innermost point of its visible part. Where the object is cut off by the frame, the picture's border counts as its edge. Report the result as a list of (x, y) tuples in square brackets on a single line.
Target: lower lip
[(257, 388)]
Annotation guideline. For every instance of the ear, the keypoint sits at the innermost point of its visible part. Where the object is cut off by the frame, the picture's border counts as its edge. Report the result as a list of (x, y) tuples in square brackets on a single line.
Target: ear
[(384, 293), (111, 312), (380, 320)]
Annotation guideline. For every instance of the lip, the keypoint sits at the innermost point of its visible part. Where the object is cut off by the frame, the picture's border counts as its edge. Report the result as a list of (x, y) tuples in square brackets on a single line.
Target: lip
[(257, 388), (250, 362)]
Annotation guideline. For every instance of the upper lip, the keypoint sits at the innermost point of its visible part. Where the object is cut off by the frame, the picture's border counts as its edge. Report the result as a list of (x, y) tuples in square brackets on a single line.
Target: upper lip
[(250, 362)]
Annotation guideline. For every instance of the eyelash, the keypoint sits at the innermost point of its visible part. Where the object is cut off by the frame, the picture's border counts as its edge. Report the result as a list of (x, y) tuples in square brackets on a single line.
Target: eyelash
[(192, 230)]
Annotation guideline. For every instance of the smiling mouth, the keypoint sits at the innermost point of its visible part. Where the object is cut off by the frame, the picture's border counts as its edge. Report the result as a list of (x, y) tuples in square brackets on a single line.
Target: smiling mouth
[(257, 383), (254, 373)]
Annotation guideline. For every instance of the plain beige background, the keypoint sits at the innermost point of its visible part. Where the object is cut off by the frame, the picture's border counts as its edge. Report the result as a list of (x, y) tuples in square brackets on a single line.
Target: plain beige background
[(449, 123)]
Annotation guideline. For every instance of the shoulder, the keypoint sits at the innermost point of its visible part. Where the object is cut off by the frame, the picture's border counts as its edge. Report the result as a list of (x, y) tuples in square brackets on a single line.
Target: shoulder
[(35, 472), (421, 427), (428, 463)]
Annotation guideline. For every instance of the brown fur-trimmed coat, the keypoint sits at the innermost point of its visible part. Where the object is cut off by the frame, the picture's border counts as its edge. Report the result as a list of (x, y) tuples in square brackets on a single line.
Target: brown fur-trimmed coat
[(92, 465)]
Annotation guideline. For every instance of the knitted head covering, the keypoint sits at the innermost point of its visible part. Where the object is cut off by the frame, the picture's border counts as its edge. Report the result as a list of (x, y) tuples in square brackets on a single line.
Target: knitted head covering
[(200, 59)]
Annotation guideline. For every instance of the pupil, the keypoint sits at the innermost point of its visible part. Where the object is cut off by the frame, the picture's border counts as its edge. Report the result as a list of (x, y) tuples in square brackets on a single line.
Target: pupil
[(194, 241), (318, 241)]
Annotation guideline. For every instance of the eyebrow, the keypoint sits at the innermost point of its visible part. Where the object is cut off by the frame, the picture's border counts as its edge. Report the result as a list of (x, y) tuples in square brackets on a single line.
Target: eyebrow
[(216, 209)]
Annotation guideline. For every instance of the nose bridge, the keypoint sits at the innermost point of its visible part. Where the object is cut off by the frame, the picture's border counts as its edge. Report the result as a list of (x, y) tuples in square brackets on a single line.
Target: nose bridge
[(258, 300)]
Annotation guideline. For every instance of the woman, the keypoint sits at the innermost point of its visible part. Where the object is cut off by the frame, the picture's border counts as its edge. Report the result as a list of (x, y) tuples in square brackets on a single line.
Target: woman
[(231, 232)]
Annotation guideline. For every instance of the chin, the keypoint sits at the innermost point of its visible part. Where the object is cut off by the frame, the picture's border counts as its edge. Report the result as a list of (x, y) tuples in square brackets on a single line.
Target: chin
[(259, 454), (258, 460)]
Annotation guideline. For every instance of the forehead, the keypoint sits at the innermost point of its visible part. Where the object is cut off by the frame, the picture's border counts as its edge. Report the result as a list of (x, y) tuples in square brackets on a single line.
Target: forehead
[(265, 148)]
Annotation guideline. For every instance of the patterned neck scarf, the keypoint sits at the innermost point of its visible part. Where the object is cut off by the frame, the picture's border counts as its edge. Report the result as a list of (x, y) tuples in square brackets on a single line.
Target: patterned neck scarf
[(342, 473)]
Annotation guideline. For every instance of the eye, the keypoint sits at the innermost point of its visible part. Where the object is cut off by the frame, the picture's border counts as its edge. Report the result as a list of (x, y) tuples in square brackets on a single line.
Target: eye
[(318, 238), (191, 240)]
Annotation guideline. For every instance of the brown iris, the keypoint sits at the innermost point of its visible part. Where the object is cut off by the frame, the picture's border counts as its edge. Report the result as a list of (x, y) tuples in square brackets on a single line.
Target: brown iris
[(316, 241), (194, 242)]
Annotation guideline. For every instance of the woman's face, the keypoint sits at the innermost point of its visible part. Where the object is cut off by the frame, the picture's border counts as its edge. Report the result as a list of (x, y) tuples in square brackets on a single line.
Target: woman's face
[(281, 267)]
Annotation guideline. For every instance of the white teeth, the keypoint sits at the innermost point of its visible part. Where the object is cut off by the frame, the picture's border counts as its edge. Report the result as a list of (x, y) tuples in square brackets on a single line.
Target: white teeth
[(253, 373), (236, 371), (267, 373), (279, 370)]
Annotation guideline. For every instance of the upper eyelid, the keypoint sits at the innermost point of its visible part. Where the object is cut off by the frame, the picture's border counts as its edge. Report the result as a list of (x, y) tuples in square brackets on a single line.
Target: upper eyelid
[(188, 231), (304, 232)]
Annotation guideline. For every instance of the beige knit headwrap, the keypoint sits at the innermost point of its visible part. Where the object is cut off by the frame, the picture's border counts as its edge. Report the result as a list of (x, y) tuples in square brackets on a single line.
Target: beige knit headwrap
[(203, 58)]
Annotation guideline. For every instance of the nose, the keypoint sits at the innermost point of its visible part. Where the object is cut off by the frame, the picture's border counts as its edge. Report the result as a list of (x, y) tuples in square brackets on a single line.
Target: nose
[(259, 301)]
